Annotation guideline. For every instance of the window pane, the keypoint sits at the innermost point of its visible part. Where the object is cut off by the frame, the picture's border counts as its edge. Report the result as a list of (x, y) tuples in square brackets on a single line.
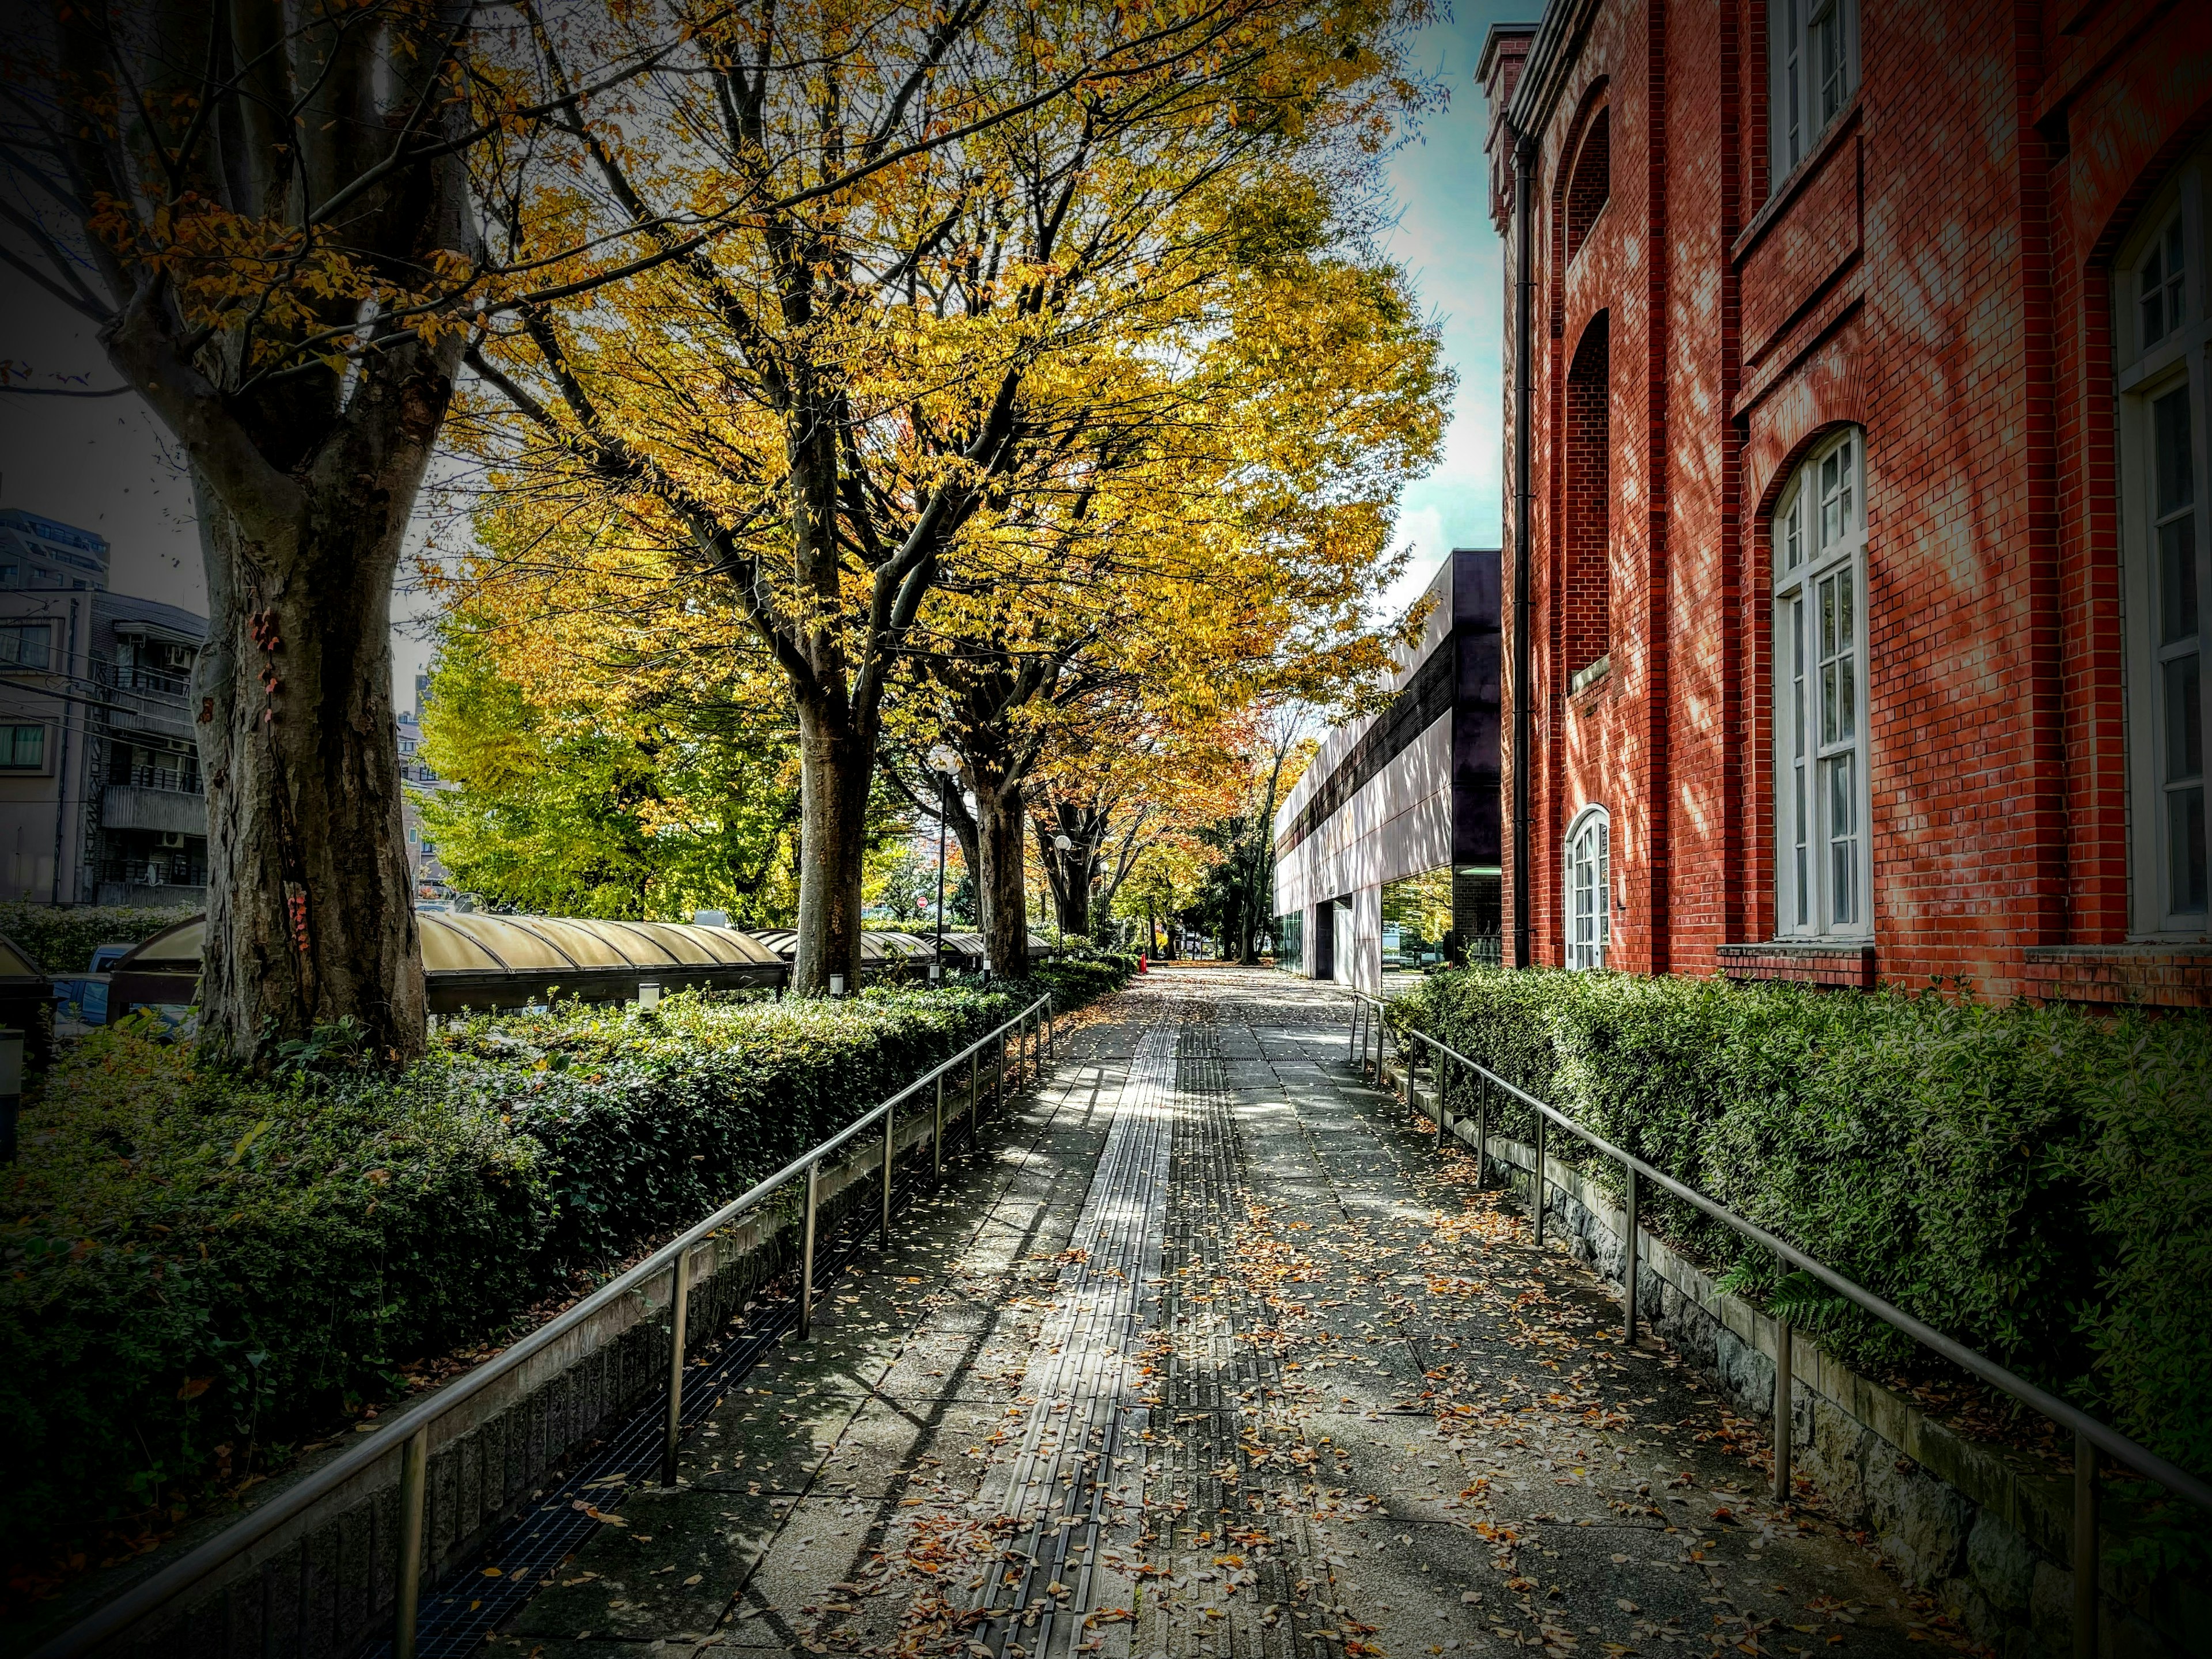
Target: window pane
[(2185, 828), (1797, 677), (2174, 273), (2184, 720), (2177, 579), (27, 747), (2153, 291), (1843, 841), (2170, 459), (1601, 897)]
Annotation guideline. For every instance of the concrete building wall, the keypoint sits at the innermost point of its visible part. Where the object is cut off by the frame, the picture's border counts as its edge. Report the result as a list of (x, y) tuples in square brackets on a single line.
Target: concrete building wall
[(1398, 824)]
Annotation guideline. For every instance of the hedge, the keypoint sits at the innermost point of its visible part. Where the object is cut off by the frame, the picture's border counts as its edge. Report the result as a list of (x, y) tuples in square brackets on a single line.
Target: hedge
[(63, 938), (204, 1270), (2029, 1180)]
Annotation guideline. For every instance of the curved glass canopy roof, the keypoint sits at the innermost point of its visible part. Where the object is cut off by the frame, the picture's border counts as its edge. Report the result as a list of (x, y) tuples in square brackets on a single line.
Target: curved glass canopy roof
[(15, 962), (477, 944)]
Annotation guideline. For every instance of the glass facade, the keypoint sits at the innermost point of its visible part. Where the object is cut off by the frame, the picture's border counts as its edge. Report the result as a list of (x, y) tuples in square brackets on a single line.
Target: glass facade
[(1417, 922), (1291, 941)]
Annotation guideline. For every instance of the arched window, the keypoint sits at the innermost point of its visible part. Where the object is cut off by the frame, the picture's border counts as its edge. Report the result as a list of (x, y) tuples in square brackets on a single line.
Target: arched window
[(1589, 888), (1822, 863), (2164, 338), (1591, 183)]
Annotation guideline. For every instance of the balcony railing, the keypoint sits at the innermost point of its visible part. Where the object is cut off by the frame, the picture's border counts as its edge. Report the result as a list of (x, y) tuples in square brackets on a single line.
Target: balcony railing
[(182, 780), (134, 677)]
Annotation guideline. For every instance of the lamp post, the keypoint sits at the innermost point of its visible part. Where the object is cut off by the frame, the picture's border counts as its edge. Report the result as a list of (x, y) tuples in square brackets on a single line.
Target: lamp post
[(944, 788), (1061, 844)]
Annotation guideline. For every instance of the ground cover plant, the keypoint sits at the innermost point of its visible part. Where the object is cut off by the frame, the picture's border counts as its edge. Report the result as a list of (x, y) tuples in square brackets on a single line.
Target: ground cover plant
[(2029, 1179), (202, 1269)]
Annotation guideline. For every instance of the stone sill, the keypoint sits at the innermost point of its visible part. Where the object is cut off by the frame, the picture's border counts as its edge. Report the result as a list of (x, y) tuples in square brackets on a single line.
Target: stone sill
[(1588, 676), (1842, 965), (2153, 972)]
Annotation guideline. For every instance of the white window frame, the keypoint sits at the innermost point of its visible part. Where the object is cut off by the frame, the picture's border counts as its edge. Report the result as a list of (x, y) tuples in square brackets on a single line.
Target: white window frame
[(1823, 849), (1813, 58), (1586, 888), (2168, 853)]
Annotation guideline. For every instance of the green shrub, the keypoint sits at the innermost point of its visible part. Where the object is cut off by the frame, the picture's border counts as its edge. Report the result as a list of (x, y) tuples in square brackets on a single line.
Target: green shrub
[(2027, 1180), (63, 938), (202, 1268)]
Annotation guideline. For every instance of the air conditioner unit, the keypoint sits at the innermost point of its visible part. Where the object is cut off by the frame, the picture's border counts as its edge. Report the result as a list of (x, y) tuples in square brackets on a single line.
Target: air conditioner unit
[(173, 839)]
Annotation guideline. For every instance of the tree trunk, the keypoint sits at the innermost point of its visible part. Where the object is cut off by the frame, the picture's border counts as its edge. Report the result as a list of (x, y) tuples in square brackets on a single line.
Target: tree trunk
[(836, 765), (311, 918), (1001, 824), (1071, 874)]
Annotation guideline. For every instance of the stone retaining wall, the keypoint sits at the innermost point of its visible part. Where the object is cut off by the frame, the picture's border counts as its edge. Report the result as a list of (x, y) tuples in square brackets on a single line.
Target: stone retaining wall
[(1985, 1529)]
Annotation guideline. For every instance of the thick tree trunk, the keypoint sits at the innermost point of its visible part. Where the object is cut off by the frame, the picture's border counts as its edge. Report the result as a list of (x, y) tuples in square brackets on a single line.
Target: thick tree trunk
[(1071, 873), (836, 765), (1001, 823), (311, 920)]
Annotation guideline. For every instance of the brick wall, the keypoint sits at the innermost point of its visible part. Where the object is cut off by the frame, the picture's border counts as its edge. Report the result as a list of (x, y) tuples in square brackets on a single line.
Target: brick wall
[(1938, 270)]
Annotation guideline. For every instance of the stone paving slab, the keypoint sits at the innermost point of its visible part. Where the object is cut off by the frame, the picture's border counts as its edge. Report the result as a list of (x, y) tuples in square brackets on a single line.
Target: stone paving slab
[(1315, 1395)]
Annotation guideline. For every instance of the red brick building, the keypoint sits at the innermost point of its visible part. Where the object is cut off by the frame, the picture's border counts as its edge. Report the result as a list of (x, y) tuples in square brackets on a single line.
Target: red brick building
[(1865, 524)]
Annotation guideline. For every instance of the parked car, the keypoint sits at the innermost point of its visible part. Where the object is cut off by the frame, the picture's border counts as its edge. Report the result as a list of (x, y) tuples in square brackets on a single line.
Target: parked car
[(83, 1000)]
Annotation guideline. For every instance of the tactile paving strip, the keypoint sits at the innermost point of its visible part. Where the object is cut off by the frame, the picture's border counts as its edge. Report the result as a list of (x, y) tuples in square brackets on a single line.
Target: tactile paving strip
[(1060, 1489)]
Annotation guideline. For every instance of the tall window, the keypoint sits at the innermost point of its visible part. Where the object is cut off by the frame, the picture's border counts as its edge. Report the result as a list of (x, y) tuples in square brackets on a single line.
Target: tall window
[(1589, 888), (1820, 799), (2164, 342), (1814, 48)]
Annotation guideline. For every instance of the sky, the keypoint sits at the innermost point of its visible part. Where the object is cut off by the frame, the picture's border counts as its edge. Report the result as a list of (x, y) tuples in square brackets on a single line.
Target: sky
[(106, 464)]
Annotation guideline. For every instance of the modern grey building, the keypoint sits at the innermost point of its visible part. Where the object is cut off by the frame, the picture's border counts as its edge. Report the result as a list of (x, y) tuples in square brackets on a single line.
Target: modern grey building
[(1387, 852), (99, 777)]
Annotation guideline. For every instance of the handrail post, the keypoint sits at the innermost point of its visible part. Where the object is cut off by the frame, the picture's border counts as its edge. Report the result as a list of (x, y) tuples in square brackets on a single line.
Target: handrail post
[(1536, 1187), (1782, 1411), (890, 1145), (1351, 1042), (1051, 1037), (1481, 1131), (679, 1306), (1437, 1075), (2085, 1547), (806, 1249), (974, 1070), (1628, 1273), (414, 1481), (937, 1142)]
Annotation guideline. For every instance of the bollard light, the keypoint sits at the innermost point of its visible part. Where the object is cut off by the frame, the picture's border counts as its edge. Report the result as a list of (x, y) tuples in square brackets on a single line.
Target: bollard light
[(11, 1088), (648, 994), (836, 985), (936, 972)]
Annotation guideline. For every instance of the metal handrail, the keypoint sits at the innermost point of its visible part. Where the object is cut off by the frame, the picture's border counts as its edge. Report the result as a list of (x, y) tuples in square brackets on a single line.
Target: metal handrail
[(407, 1435), (2090, 1436)]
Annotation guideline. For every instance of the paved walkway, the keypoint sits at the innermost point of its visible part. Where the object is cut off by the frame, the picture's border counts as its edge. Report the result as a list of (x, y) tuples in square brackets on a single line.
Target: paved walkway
[(1208, 1352)]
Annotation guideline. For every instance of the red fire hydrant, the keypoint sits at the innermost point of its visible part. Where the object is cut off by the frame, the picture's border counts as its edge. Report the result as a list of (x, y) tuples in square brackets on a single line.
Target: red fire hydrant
[(1143, 962)]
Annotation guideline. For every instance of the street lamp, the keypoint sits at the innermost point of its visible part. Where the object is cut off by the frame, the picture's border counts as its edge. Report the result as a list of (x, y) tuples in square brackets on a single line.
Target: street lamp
[(1061, 844), (944, 786)]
